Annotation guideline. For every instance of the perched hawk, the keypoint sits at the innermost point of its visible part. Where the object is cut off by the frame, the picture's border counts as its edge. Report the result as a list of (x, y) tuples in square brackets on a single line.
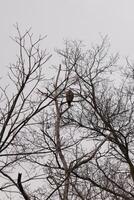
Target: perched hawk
[(69, 97)]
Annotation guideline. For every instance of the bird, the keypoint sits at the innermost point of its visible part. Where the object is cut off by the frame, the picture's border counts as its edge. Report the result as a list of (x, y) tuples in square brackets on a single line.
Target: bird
[(69, 97)]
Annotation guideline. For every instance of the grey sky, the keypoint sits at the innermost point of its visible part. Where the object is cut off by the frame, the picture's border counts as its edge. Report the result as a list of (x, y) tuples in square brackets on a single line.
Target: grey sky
[(68, 19)]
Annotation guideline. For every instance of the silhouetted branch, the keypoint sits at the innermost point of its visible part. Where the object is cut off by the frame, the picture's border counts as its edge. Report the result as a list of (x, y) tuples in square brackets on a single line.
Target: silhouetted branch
[(24, 194)]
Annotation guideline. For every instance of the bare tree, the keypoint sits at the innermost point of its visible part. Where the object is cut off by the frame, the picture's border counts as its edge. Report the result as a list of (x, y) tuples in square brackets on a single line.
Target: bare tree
[(78, 152), (19, 104)]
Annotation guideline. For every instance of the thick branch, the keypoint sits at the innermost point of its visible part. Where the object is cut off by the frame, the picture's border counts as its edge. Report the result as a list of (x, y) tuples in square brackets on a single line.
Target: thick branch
[(24, 194)]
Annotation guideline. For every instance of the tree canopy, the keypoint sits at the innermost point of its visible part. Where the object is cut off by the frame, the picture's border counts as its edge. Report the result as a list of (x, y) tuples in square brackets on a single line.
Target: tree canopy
[(49, 150)]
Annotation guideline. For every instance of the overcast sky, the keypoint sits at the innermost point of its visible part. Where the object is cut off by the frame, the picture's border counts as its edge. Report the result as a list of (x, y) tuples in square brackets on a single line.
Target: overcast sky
[(68, 19)]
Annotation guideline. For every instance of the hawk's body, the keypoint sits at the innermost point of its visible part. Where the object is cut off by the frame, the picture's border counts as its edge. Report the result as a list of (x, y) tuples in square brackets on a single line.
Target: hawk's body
[(69, 97)]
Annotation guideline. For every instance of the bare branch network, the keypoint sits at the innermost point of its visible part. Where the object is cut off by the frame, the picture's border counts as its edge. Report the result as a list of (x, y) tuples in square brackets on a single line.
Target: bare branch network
[(71, 136)]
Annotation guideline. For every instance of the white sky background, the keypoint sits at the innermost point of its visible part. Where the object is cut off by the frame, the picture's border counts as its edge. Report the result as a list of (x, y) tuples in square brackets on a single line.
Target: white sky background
[(68, 19)]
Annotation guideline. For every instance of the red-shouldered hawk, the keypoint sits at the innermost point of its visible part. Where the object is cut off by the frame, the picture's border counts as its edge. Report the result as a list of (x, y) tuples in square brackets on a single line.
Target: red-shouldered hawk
[(69, 97)]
